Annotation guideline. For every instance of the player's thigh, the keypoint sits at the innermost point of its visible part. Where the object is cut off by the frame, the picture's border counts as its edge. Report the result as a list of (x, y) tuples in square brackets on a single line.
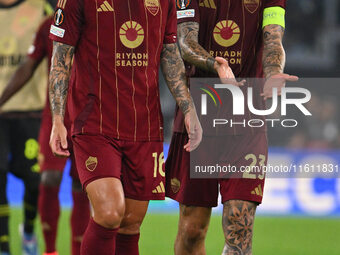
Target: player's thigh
[(249, 154), (143, 175), (24, 147), (179, 185), (96, 157)]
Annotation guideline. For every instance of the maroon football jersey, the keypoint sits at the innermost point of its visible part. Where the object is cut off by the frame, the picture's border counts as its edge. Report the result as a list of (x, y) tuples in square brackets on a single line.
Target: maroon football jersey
[(41, 48), (42, 45), (231, 29), (117, 56)]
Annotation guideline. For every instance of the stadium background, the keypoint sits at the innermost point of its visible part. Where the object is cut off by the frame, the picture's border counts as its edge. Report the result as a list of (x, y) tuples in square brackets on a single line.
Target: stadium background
[(298, 216)]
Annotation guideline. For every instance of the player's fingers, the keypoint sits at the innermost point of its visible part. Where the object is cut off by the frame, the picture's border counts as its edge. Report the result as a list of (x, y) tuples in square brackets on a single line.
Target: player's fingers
[(53, 145), (63, 142), (60, 152), (187, 146), (196, 138), (222, 61), (267, 94), (242, 82), (57, 149), (291, 78)]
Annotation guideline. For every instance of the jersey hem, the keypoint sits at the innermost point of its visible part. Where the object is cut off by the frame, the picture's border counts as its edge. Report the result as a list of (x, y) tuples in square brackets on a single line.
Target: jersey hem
[(120, 138)]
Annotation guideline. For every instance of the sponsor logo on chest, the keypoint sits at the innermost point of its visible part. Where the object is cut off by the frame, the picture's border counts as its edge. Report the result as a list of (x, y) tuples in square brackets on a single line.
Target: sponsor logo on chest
[(226, 34)]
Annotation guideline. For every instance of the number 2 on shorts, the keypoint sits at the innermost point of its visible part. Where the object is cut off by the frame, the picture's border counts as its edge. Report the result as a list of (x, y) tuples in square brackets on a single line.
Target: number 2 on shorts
[(247, 174)]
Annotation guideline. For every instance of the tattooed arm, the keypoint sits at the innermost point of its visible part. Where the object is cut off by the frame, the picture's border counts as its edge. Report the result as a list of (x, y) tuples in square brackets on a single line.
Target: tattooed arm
[(58, 86), (195, 54), (174, 73), (273, 60), (274, 56)]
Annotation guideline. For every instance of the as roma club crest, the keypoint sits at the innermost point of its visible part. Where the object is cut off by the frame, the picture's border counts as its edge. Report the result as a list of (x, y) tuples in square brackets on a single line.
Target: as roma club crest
[(91, 163), (175, 185), (251, 5), (152, 6), (182, 4)]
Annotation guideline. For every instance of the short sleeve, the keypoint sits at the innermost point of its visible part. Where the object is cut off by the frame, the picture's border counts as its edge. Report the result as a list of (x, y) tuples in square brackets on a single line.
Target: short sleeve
[(38, 49), (187, 11), (274, 3), (170, 35), (67, 22)]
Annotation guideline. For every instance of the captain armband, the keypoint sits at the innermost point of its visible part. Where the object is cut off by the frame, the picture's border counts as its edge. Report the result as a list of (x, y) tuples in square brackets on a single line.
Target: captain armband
[(274, 16)]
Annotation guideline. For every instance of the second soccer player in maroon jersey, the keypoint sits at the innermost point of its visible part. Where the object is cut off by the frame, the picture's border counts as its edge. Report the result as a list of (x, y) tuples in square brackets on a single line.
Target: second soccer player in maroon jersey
[(117, 129), (247, 33)]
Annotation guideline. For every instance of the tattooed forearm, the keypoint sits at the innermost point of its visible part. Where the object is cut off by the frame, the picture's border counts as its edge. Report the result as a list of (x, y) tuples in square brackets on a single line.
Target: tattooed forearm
[(174, 73), (191, 51), (274, 56), (59, 77), (238, 221)]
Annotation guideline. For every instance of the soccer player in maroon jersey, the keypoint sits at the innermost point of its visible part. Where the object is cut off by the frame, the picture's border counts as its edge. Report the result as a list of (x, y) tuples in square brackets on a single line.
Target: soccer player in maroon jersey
[(51, 167), (117, 130), (248, 34)]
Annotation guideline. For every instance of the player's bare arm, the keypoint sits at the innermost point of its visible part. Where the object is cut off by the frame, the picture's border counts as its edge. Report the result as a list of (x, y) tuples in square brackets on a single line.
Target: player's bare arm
[(174, 74), (59, 77), (273, 60), (19, 79), (274, 56), (191, 50), (58, 85), (238, 220), (195, 54)]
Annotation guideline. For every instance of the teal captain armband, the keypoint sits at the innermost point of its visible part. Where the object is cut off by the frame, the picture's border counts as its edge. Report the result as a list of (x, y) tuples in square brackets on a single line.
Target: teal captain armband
[(274, 16)]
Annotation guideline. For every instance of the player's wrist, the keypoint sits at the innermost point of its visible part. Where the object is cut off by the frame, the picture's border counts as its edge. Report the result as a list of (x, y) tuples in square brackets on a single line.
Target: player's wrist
[(58, 119), (271, 74), (212, 64)]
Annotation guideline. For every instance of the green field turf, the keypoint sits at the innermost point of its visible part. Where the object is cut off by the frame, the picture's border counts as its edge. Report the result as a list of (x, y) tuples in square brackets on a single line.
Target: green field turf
[(273, 236)]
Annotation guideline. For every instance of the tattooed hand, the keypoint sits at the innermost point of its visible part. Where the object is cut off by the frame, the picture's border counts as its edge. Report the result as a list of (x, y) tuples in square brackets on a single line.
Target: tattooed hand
[(274, 61), (58, 86), (174, 74)]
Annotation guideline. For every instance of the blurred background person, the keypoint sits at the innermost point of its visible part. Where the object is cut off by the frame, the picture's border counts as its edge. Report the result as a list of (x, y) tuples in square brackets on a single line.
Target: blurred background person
[(20, 116), (51, 167)]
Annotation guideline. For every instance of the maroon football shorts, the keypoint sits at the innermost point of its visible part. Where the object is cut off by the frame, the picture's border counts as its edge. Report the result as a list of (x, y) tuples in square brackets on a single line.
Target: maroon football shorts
[(239, 151), (47, 161), (139, 165)]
